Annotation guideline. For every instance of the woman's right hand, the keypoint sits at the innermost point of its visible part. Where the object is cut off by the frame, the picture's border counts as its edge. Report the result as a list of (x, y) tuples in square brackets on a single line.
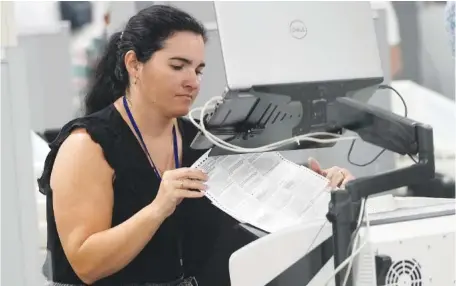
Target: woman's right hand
[(177, 185)]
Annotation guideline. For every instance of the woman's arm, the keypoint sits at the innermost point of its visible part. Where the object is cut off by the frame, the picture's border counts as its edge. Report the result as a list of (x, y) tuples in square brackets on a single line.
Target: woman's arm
[(81, 182)]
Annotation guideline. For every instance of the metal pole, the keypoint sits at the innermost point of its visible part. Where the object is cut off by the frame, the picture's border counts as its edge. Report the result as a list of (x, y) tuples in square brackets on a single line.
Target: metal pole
[(341, 217)]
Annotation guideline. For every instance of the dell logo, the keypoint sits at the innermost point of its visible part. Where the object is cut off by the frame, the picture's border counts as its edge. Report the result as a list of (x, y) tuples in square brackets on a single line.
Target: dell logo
[(297, 29)]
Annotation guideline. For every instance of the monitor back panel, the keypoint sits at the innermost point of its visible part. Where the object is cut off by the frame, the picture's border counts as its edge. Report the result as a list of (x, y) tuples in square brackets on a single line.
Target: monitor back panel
[(269, 43)]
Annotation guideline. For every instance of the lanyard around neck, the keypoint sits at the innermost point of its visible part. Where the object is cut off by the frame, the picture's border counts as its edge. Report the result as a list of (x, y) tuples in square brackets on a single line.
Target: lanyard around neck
[(141, 140)]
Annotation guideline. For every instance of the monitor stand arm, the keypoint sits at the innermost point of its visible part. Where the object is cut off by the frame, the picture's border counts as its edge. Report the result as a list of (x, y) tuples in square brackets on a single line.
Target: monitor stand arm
[(258, 115), (345, 204)]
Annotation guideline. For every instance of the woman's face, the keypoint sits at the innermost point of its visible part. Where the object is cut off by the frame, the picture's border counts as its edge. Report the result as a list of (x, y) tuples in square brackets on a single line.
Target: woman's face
[(171, 78)]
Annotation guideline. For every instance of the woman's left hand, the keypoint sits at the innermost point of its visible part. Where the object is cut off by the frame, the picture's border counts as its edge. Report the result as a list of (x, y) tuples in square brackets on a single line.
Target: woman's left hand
[(337, 176)]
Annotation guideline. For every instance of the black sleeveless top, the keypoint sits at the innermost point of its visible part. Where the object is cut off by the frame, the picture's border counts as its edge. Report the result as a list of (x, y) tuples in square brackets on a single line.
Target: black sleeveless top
[(190, 233)]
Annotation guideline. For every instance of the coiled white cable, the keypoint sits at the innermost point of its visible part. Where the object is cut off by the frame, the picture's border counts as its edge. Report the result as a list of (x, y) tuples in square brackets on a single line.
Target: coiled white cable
[(267, 148)]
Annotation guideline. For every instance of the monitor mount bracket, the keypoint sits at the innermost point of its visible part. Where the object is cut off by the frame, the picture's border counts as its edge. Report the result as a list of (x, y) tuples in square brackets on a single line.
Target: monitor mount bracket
[(256, 118)]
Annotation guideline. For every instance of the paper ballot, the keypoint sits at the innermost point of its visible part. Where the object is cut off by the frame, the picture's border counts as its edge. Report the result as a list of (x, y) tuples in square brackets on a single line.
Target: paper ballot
[(265, 190)]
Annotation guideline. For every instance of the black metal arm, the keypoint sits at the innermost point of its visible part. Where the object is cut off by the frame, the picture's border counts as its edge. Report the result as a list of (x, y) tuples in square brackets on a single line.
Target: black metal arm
[(256, 118), (344, 206)]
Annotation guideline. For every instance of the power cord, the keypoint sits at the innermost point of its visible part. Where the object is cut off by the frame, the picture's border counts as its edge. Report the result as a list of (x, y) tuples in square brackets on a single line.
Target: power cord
[(267, 148), (384, 86), (350, 150), (352, 145), (273, 146)]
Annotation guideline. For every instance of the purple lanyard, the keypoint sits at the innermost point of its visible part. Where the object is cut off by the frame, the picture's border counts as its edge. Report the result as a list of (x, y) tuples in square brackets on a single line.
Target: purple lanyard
[(138, 133)]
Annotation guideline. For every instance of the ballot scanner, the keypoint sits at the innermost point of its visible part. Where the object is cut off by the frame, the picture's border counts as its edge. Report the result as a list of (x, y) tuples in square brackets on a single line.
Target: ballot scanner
[(311, 75)]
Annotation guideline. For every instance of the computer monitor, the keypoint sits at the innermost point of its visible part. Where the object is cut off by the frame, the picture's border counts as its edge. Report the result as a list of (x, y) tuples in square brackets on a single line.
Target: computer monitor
[(284, 63), (268, 43)]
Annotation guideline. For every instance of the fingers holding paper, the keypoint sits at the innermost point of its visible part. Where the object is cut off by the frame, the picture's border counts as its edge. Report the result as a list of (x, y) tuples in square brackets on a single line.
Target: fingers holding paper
[(185, 173), (177, 185), (189, 187), (186, 182), (338, 177)]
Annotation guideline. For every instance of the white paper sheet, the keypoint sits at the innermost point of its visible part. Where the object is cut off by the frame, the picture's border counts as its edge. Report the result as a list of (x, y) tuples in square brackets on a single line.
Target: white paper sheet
[(265, 190)]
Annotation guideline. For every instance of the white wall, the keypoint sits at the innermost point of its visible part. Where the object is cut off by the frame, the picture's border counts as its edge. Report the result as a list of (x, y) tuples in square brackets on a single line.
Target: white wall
[(47, 13), (36, 13), (437, 63), (120, 11)]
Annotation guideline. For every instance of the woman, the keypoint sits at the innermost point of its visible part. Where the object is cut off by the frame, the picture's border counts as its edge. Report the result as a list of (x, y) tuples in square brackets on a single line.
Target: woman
[(123, 208)]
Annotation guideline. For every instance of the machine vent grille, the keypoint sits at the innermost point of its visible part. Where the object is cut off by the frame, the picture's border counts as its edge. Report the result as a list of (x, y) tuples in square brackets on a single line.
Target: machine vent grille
[(404, 273)]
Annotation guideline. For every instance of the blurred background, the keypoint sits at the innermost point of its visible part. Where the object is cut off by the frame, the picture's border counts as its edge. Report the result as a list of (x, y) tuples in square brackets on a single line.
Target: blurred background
[(48, 61), (69, 35)]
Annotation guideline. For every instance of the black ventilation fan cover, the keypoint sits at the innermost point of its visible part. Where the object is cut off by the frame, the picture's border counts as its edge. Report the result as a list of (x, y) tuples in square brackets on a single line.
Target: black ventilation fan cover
[(404, 273)]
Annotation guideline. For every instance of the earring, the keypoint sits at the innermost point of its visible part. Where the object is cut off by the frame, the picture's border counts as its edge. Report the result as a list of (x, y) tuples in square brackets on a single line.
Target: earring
[(136, 79)]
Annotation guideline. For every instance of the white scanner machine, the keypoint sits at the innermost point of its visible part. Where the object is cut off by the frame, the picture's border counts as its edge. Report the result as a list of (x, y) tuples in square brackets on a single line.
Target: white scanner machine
[(299, 67)]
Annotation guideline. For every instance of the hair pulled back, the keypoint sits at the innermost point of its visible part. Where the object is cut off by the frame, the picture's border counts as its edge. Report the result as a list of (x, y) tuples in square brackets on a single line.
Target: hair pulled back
[(144, 34)]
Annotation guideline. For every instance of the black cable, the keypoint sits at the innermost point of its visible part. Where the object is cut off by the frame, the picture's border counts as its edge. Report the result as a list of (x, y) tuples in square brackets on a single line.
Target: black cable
[(413, 158), (365, 164), (384, 86), (350, 150)]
